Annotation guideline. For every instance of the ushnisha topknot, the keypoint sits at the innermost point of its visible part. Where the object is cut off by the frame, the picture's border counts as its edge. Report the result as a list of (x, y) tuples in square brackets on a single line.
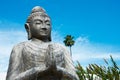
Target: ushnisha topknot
[(36, 11)]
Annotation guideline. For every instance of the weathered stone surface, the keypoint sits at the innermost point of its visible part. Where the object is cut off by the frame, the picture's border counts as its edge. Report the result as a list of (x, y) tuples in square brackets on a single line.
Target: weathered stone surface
[(39, 58)]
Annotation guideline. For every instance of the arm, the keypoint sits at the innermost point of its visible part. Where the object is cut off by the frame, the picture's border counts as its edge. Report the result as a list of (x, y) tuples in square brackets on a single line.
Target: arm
[(31, 73), (69, 67), (16, 66), (14, 63)]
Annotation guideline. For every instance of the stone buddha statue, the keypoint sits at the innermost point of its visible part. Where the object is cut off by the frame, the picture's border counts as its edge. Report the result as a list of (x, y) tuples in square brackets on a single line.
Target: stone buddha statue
[(39, 58)]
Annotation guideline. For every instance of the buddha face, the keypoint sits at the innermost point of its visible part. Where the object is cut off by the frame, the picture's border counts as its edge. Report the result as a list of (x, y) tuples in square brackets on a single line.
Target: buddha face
[(40, 27)]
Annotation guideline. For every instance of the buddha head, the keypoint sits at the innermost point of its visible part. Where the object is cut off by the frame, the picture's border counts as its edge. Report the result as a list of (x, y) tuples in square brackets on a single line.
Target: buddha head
[(38, 25)]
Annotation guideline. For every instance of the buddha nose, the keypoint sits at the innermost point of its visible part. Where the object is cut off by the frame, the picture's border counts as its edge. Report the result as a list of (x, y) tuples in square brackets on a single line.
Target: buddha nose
[(44, 28)]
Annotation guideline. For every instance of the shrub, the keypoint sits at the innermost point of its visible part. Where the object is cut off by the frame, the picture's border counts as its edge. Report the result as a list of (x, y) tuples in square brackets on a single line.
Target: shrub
[(97, 72)]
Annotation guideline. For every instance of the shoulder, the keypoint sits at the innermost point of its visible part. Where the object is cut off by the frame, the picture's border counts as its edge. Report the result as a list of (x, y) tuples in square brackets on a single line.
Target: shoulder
[(17, 51), (60, 47), (19, 46)]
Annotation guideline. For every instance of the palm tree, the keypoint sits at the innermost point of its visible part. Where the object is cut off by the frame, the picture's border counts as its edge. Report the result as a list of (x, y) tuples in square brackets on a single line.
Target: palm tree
[(69, 42)]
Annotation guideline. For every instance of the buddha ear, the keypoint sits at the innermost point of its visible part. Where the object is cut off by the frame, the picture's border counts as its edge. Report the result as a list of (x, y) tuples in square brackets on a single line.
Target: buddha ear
[(27, 27), (49, 38)]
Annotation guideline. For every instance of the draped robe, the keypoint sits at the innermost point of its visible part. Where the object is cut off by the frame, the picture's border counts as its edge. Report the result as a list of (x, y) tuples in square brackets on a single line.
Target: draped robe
[(29, 61)]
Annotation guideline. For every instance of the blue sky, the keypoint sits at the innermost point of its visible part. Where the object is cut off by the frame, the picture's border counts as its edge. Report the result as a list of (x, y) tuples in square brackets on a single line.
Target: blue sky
[(98, 19), (95, 24)]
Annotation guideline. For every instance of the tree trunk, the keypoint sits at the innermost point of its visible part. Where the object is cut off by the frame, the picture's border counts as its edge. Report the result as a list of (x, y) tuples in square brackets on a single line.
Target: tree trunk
[(70, 51)]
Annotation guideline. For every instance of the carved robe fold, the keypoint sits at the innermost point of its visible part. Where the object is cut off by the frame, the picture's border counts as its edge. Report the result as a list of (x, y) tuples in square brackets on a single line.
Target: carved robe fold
[(28, 58)]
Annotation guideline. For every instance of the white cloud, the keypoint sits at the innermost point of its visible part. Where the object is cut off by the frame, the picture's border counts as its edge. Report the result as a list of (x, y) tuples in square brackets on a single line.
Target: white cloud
[(82, 40), (2, 75), (10, 38), (56, 37), (86, 52)]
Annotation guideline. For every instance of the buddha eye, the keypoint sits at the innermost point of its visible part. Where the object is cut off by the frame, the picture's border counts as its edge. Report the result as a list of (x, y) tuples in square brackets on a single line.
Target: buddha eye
[(38, 22), (48, 23)]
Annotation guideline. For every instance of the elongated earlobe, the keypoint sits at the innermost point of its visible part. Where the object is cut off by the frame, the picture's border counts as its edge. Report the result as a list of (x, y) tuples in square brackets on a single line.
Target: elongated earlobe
[(27, 27), (49, 38)]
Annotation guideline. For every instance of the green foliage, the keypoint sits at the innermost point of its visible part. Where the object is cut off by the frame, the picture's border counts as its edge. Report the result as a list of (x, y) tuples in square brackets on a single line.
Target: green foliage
[(69, 42), (109, 72)]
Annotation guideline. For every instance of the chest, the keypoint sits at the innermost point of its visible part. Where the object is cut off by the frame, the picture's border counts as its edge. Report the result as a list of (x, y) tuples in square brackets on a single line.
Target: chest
[(34, 56)]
